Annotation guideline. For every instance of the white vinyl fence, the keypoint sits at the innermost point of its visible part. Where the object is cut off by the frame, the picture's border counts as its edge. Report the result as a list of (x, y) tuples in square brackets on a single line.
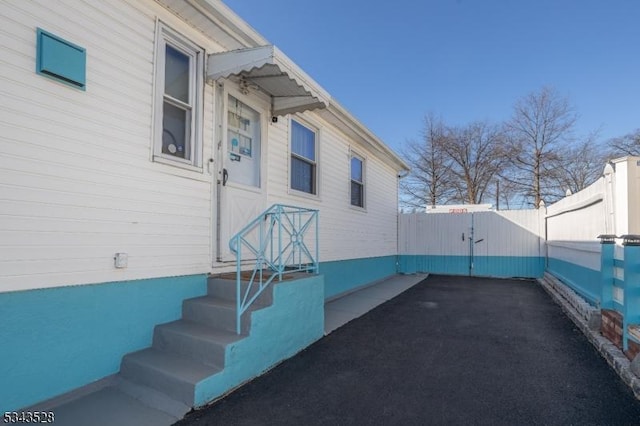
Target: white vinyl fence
[(500, 244)]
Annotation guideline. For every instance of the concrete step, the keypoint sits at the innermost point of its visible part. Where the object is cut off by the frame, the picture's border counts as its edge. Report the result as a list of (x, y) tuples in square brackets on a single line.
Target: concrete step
[(111, 406), (152, 398), (194, 340), (173, 375), (224, 288), (215, 312)]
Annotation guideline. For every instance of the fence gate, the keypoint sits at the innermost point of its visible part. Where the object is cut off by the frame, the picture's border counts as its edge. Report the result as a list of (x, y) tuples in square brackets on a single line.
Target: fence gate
[(499, 244)]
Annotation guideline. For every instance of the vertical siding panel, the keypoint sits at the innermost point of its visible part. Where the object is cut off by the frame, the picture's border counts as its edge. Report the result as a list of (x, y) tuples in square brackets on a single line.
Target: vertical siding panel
[(503, 244)]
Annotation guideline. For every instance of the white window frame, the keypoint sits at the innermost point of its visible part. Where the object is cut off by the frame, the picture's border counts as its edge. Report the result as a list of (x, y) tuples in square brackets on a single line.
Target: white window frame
[(363, 183), (167, 36), (316, 163)]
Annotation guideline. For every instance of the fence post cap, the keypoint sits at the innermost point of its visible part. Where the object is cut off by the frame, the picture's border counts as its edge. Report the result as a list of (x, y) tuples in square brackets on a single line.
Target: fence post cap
[(607, 238), (630, 240)]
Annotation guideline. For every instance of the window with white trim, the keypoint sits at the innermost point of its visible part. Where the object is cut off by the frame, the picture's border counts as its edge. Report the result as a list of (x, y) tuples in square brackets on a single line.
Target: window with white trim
[(357, 181), (178, 106), (304, 166)]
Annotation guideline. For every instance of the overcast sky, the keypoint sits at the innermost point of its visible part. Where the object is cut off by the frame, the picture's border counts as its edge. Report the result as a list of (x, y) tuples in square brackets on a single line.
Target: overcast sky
[(391, 62)]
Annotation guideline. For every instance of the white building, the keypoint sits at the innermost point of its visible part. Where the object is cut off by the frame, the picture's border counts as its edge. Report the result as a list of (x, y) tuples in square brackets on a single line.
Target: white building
[(459, 208), (158, 129)]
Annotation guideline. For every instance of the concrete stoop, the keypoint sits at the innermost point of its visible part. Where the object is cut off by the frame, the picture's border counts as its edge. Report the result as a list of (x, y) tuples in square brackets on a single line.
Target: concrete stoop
[(157, 385), (587, 318)]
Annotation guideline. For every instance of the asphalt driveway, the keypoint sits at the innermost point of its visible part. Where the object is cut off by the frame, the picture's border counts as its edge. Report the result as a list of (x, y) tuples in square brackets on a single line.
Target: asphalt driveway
[(450, 350)]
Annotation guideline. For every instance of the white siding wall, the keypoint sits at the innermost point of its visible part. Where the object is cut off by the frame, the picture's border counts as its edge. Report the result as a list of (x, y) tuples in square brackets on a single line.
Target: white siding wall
[(346, 232), (76, 181), (578, 217)]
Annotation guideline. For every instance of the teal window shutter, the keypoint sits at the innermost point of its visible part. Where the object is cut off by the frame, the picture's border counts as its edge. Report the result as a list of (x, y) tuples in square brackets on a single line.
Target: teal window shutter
[(61, 60)]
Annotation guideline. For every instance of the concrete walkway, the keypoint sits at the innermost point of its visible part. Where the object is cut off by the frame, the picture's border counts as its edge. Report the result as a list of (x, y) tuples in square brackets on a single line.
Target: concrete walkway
[(340, 311), (448, 351)]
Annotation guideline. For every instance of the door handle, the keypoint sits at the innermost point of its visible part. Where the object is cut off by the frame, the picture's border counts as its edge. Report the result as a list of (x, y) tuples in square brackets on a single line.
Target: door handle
[(463, 236), (225, 176)]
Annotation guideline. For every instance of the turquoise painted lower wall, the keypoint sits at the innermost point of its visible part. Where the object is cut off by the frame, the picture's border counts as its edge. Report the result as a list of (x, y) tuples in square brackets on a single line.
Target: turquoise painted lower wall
[(343, 276), (491, 266), (584, 281), (509, 266), (451, 265), (59, 339), (55, 340), (294, 321)]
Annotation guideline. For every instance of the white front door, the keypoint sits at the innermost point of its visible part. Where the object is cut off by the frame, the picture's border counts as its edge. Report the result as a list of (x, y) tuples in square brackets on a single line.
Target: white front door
[(241, 188)]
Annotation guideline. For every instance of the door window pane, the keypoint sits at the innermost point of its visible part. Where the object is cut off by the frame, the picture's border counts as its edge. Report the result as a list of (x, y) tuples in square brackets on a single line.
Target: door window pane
[(241, 121), (239, 143), (243, 143), (236, 120), (176, 74)]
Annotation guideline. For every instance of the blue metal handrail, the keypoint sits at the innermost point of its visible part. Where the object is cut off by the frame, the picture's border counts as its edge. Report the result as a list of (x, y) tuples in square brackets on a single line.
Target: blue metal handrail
[(279, 247)]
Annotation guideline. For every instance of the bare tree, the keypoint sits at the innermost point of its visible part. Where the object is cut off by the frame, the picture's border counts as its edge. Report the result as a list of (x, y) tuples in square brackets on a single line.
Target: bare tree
[(625, 145), (508, 196), (542, 121), (581, 165), (477, 154), (429, 180)]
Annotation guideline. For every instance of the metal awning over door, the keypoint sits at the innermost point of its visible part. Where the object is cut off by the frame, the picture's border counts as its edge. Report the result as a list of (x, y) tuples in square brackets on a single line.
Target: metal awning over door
[(272, 72)]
